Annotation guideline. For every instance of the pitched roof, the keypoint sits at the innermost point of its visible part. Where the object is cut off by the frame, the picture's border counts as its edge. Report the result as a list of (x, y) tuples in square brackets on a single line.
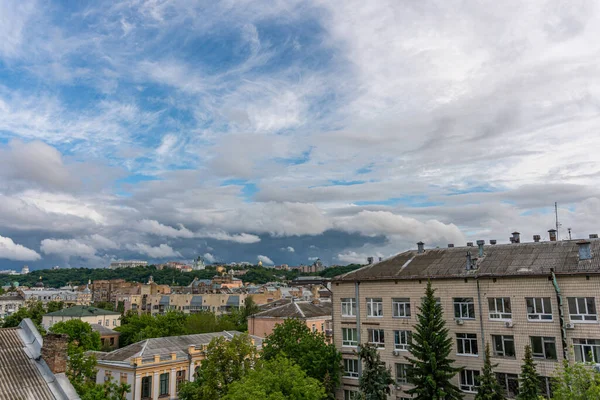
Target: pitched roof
[(103, 330), (82, 311), (516, 259), (298, 309)]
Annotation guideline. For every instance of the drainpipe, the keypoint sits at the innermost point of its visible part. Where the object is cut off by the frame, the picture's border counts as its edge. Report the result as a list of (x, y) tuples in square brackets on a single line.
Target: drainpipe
[(134, 380), (481, 318), (357, 295), (561, 316)]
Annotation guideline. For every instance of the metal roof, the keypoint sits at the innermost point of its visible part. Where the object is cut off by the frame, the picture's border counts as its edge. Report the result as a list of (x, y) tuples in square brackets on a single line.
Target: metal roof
[(103, 330), (196, 301), (233, 301), (298, 309), (164, 300), (82, 311)]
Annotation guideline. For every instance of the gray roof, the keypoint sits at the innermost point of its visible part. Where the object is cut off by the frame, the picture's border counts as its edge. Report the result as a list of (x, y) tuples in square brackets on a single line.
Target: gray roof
[(82, 311), (103, 330), (233, 301), (196, 301), (298, 309), (517, 259)]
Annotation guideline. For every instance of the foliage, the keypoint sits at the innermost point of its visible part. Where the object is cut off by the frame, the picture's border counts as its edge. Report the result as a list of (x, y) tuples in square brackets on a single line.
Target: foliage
[(277, 379), (2, 291), (489, 388), (576, 382), (226, 361), (529, 379), (53, 306), (294, 340), (375, 379), (239, 318), (32, 309), (107, 391), (79, 332), (432, 369), (105, 305)]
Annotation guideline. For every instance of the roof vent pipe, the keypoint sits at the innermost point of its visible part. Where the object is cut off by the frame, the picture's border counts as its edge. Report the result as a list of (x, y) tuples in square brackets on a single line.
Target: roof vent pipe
[(552, 233), (585, 251), (593, 236), (469, 261), (493, 241), (512, 239), (480, 244), (469, 244), (420, 247), (450, 245), (517, 237), (369, 260), (536, 238)]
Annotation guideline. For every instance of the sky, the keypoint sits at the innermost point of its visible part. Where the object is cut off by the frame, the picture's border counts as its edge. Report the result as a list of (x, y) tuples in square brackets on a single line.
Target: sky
[(285, 130)]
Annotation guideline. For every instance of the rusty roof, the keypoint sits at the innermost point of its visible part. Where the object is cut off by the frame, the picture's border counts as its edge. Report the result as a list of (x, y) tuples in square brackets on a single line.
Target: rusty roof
[(298, 309), (516, 259)]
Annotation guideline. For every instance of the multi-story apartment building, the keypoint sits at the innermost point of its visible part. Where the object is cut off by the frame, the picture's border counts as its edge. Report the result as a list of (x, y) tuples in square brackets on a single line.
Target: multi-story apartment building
[(10, 304), (219, 303), (69, 297), (127, 264), (544, 294)]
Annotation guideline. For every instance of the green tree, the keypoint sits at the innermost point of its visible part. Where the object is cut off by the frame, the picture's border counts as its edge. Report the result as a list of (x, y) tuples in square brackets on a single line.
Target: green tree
[(32, 309), (54, 306), (105, 305), (432, 369), (294, 340), (277, 379), (375, 379), (489, 388), (136, 327), (576, 382), (79, 332), (107, 391), (226, 361), (529, 380)]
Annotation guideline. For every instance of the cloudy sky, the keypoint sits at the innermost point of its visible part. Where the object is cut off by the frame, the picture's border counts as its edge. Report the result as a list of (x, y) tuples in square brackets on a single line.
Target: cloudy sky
[(282, 131)]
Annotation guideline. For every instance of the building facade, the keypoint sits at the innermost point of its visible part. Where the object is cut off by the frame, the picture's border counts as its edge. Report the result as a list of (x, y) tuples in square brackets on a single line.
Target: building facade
[(127, 264), (91, 315), (10, 304), (542, 294)]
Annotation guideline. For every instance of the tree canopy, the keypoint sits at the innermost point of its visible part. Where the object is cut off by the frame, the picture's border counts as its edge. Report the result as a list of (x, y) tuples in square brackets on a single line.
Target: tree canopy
[(79, 332), (375, 379), (576, 382), (529, 379), (32, 309), (489, 388)]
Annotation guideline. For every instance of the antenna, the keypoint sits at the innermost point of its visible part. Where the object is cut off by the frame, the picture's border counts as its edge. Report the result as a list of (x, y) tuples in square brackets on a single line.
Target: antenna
[(556, 219), (569, 229)]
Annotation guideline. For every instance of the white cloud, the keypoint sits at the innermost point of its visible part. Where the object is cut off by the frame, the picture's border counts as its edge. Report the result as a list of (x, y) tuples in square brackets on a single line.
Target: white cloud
[(101, 242), (244, 238), (313, 258), (352, 257), (156, 228), (13, 251), (209, 257), (265, 260), (67, 248), (289, 249), (161, 251)]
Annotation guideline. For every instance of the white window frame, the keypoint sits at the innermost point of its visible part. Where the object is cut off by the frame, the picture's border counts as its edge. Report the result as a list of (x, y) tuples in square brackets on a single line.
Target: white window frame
[(582, 313), (401, 308), (504, 378), (466, 343), (503, 339), (377, 337), (498, 308), (402, 340), (349, 337), (463, 306), (348, 307), (540, 313), (351, 394), (468, 380), (374, 307), (401, 379), (351, 368), (544, 340), (583, 347)]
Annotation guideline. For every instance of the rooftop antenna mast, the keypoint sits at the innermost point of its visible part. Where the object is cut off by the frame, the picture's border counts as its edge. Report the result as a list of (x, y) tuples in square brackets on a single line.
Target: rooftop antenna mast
[(556, 219)]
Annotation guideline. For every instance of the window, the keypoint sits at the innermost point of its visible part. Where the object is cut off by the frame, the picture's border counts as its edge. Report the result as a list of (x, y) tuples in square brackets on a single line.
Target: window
[(322, 327), (123, 377), (349, 337), (582, 309), (99, 322), (466, 344), (500, 308), (348, 307), (546, 387), (350, 368), (504, 346), (112, 341), (464, 308), (543, 347), (401, 308), (314, 327), (374, 307), (146, 387), (107, 376), (402, 340), (402, 373), (164, 384), (587, 350), (376, 337), (539, 308), (510, 383), (468, 380), (107, 322), (350, 394), (179, 379), (114, 322)]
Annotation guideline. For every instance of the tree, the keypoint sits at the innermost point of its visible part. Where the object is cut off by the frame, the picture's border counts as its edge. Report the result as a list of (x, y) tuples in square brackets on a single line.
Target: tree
[(107, 391), (276, 379), (576, 382), (294, 340), (431, 345), (226, 361), (79, 332), (54, 306), (375, 379), (529, 379), (489, 388), (32, 309), (105, 305)]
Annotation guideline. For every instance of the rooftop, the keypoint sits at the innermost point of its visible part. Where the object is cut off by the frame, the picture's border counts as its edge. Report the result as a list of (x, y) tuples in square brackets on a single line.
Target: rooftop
[(298, 309), (103, 330), (81, 311)]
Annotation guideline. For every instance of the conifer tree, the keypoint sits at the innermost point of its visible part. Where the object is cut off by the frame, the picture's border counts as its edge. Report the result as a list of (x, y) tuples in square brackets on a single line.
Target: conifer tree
[(432, 369), (375, 379), (489, 388), (529, 380)]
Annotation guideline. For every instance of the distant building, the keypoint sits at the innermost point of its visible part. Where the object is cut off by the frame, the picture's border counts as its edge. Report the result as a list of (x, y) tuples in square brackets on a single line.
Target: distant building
[(69, 297), (25, 270), (128, 264), (10, 304), (316, 267), (199, 264), (91, 315), (108, 337)]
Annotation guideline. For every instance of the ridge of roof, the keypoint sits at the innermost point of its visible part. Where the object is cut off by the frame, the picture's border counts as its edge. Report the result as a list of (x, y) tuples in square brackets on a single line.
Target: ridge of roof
[(299, 309)]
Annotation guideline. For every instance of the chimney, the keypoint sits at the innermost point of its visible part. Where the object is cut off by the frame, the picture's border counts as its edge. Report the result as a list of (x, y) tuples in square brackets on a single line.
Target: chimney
[(480, 244), (493, 241), (54, 352), (552, 233), (469, 244), (420, 247), (593, 236), (380, 259), (517, 237), (536, 238), (450, 245), (585, 251), (369, 260), (469, 261)]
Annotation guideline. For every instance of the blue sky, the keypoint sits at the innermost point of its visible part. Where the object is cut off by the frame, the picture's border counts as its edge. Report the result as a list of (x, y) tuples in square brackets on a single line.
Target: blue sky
[(288, 130)]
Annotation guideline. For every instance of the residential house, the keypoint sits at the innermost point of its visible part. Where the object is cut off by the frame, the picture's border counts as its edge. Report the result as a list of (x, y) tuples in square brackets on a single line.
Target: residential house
[(91, 315)]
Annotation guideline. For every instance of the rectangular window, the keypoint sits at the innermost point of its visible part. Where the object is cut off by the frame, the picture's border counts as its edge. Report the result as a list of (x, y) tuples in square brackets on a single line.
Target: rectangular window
[(468, 380), (350, 368), (164, 384), (349, 337), (123, 377), (500, 308), (99, 322), (146, 387), (539, 308), (504, 346), (348, 307), (376, 337), (543, 347), (510, 383), (180, 377), (464, 308), (374, 307), (314, 327), (107, 322), (587, 350), (350, 394), (582, 309), (466, 343), (546, 387), (401, 308), (114, 322), (402, 373), (402, 340)]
